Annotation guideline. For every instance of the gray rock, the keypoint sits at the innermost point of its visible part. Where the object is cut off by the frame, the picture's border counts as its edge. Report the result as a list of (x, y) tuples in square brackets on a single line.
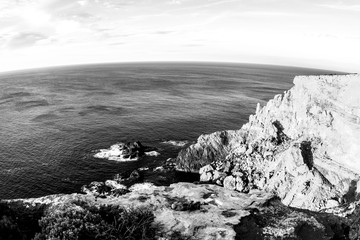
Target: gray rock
[(230, 183), (239, 184), (217, 175), (206, 168), (206, 177)]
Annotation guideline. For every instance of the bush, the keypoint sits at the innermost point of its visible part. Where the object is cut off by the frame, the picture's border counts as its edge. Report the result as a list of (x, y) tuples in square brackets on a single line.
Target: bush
[(82, 221), (19, 221)]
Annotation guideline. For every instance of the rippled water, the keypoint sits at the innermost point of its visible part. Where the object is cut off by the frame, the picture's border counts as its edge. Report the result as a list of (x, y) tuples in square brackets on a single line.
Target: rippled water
[(51, 120)]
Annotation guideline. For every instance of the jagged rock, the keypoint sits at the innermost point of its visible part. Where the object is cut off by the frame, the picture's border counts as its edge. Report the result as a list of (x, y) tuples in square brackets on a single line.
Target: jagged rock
[(206, 173), (217, 175), (104, 189), (207, 149), (92, 188), (303, 145), (128, 180), (114, 184), (205, 169)]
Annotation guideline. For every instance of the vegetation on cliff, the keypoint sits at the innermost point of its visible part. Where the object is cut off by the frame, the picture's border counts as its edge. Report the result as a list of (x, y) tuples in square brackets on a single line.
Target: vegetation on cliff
[(75, 221)]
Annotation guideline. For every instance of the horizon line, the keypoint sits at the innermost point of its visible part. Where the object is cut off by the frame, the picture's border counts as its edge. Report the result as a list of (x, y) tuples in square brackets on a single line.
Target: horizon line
[(171, 61)]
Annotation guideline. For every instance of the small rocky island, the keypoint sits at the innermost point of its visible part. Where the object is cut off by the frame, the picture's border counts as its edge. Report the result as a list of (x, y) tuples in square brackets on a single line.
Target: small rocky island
[(291, 172), (126, 151)]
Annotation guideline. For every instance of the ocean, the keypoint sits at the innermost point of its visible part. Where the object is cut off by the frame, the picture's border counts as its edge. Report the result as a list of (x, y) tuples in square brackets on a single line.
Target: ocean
[(53, 120)]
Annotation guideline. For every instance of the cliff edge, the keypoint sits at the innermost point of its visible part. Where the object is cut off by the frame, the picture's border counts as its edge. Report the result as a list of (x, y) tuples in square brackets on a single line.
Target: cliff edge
[(303, 145)]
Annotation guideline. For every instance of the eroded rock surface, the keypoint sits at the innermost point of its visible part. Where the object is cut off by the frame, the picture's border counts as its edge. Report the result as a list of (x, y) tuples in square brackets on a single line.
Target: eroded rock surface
[(208, 211), (303, 146)]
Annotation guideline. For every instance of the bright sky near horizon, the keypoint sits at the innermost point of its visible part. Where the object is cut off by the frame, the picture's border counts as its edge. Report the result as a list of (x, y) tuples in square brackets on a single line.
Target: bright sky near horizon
[(306, 33)]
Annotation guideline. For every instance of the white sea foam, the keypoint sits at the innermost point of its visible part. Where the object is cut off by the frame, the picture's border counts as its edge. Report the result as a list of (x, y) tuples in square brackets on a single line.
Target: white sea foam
[(116, 152), (152, 153), (176, 143)]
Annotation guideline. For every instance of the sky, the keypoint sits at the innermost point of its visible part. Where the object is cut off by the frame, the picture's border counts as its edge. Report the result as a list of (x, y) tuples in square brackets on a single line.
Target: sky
[(307, 33)]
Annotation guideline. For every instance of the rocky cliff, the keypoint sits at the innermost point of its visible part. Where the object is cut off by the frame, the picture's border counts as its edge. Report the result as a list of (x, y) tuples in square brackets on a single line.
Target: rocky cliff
[(304, 146)]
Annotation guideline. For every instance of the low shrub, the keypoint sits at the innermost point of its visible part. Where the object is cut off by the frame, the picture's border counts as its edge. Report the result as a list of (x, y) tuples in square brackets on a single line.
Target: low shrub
[(19, 221), (108, 222)]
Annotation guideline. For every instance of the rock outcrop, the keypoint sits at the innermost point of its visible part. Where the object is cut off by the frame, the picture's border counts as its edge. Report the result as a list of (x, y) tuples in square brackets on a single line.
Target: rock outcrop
[(304, 146), (208, 211)]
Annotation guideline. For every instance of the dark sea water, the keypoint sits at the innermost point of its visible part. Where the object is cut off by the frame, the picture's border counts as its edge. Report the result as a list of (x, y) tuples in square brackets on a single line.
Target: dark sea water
[(52, 120)]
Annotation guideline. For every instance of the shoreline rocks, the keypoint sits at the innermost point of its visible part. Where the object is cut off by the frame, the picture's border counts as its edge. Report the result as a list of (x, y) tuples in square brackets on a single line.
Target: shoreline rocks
[(302, 145)]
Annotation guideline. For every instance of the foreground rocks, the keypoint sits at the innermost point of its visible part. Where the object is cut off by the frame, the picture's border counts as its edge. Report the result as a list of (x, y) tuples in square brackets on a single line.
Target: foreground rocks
[(277, 221), (207, 211), (303, 146)]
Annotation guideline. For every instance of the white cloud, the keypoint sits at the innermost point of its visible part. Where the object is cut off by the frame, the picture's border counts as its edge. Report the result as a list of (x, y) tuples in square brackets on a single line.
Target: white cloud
[(25, 39), (33, 16), (43, 32), (83, 2), (350, 8)]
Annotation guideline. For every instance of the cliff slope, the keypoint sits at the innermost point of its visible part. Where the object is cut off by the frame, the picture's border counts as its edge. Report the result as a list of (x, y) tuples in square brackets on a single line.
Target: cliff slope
[(304, 146)]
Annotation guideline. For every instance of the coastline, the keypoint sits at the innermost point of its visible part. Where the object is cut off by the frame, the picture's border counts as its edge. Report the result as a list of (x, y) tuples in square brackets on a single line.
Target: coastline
[(283, 160)]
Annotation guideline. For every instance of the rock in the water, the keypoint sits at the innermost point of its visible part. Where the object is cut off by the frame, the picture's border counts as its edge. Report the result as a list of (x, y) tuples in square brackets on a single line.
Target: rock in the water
[(114, 184), (126, 152), (129, 179)]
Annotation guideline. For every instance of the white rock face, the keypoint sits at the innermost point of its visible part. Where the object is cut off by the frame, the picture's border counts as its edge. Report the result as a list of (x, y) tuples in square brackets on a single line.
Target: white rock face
[(303, 145), (324, 107)]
